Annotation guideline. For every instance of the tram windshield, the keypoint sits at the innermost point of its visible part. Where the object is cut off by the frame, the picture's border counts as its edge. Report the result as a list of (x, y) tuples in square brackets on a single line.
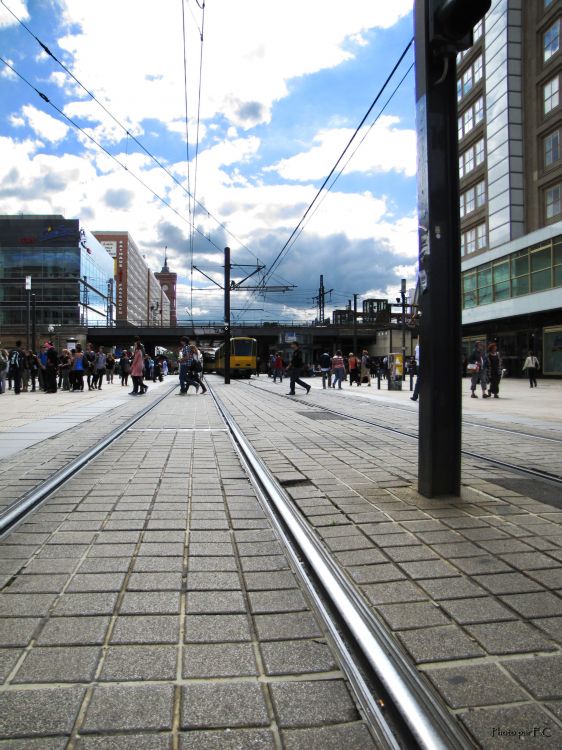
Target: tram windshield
[(243, 348)]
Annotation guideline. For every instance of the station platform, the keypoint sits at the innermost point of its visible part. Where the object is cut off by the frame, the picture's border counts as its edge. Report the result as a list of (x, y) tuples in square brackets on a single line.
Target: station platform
[(150, 602)]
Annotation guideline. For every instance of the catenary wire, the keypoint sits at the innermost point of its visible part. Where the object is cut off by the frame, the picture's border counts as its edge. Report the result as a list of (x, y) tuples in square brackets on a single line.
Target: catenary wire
[(196, 160), (190, 243)]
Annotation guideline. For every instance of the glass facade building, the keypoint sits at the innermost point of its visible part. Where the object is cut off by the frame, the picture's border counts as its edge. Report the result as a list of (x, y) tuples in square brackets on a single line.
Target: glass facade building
[(71, 273)]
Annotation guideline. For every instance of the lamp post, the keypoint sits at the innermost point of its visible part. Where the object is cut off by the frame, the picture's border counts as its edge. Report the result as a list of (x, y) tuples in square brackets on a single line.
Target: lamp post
[(28, 300), (403, 300)]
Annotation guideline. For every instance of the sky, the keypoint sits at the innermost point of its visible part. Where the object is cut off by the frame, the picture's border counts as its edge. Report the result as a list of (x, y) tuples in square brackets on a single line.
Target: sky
[(274, 93)]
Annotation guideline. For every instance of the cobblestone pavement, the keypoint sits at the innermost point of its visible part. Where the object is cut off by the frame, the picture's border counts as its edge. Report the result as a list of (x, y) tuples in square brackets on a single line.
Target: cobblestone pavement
[(65, 425), (149, 605), (471, 587)]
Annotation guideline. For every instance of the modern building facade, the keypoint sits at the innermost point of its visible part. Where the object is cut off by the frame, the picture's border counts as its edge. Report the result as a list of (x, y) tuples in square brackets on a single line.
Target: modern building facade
[(510, 169), (140, 299), (71, 274)]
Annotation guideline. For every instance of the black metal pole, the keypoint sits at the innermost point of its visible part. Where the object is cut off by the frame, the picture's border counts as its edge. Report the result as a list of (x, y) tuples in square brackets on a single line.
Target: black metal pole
[(439, 453), (403, 300), (28, 326), (227, 315), (355, 324), (33, 322)]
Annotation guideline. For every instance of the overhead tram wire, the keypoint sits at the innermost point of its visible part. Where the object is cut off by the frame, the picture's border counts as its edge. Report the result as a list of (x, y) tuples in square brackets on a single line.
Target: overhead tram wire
[(102, 148), (187, 153), (139, 143), (298, 229)]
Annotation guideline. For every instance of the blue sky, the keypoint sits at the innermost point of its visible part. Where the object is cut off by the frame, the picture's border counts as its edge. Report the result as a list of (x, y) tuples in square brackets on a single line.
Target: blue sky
[(284, 85)]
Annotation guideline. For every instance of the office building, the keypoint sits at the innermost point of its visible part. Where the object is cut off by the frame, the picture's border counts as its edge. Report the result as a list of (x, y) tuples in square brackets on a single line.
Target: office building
[(71, 275), (140, 299), (510, 169)]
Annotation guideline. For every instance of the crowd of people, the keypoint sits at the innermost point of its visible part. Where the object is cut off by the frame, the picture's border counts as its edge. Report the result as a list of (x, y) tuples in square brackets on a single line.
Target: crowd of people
[(77, 369), (485, 370)]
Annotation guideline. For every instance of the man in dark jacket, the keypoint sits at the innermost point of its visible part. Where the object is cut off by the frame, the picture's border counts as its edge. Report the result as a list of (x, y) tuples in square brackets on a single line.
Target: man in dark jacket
[(325, 367), (15, 366), (296, 368)]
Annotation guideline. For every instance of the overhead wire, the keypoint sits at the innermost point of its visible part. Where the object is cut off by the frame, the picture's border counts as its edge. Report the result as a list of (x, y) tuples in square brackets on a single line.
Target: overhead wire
[(190, 242)]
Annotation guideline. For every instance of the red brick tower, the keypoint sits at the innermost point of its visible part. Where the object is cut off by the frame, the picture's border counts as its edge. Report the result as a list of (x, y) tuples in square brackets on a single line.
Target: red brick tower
[(168, 282)]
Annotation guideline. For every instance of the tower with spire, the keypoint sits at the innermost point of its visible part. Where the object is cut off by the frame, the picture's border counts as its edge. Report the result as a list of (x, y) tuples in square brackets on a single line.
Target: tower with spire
[(168, 282)]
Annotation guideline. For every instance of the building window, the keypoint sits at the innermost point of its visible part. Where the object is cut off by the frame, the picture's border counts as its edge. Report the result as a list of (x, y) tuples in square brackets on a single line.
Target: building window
[(551, 148), (551, 96), (471, 117), (548, 3), (467, 201), (470, 241), (551, 41), (478, 29), (478, 69), (469, 78), (461, 166), (552, 202), (478, 110), (481, 237), (479, 151), (480, 194)]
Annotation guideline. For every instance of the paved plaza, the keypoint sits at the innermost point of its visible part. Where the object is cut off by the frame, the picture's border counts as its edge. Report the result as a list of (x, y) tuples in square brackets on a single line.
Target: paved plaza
[(150, 604)]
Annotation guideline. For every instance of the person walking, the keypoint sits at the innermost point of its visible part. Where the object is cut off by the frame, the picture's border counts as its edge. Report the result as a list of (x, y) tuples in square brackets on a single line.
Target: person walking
[(493, 371), (99, 368), (365, 368), (296, 367), (477, 369), (65, 363), (79, 368), (195, 372), (90, 358), (185, 360), (33, 366), (109, 367), (137, 370), (124, 368), (531, 366), (15, 366), (416, 394), (278, 368), (51, 369), (4, 358), (338, 369), (353, 367), (325, 367)]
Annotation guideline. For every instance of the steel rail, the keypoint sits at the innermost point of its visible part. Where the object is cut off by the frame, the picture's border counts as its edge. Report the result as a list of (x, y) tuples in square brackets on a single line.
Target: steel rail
[(537, 473), (420, 708), (24, 505)]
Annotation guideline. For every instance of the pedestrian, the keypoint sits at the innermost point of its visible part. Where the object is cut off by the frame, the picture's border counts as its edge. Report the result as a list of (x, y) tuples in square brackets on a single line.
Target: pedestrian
[(493, 370), (99, 368), (79, 368), (296, 366), (4, 358), (124, 367), (531, 365), (277, 368), (415, 395), (109, 367), (325, 367), (271, 365), (196, 370), (477, 369), (338, 369), (33, 366), (164, 366), (65, 363), (137, 370), (90, 359), (353, 367), (185, 359), (15, 366), (365, 368), (51, 369)]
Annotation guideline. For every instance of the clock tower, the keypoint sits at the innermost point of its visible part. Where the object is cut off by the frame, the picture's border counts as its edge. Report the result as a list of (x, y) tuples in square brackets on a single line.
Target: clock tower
[(168, 282)]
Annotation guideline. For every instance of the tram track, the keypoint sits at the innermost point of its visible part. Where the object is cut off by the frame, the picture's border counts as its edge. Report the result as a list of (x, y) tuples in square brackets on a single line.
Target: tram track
[(527, 471)]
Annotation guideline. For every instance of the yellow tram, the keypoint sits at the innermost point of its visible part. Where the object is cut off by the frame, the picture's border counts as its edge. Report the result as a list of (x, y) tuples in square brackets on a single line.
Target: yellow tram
[(242, 357)]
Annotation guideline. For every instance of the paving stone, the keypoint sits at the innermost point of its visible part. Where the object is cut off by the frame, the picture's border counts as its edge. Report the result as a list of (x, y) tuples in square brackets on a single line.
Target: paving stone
[(211, 705), (126, 742), (503, 546), (278, 580), (227, 739), (483, 609), (479, 685), (550, 625), (129, 707), (457, 549), (428, 569), (8, 659), (158, 564), (150, 603), (542, 604), (451, 588), (96, 582), (288, 600), (219, 602), (17, 631), (105, 565), (411, 553), (443, 643), (39, 712), (139, 663), (528, 560), (212, 581), (343, 543), (510, 638), (309, 704), (217, 549), (45, 743), (85, 604), (219, 660), (507, 727), (297, 657), (394, 540), (216, 628), (479, 565), (111, 550), (361, 557), (412, 615), (146, 629), (211, 564), (540, 675), (376, 573), (154, 581), (351, 737), (395, 591), (25, 605), (550, 579), (69, 631), (281, 627), (508, 583), (59, 664), (27, 584)]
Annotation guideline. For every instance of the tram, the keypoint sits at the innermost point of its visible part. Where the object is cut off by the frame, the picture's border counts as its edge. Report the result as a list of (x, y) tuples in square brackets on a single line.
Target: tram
[(243, 352)]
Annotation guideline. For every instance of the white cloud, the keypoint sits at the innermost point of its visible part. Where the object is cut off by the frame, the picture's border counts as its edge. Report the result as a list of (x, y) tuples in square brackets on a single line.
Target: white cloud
[(387, 148), (44, 125), (7, 72), (19, 8)]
